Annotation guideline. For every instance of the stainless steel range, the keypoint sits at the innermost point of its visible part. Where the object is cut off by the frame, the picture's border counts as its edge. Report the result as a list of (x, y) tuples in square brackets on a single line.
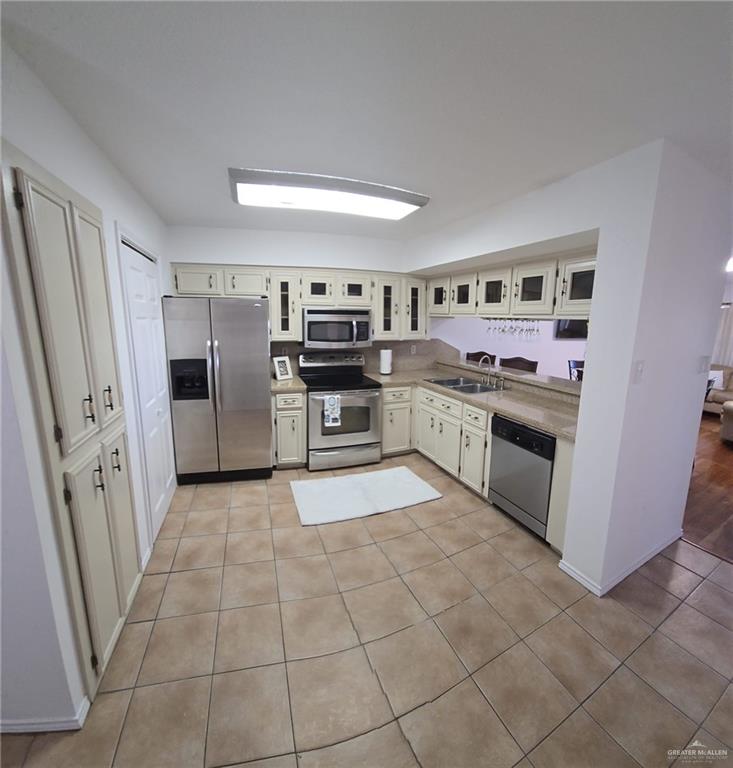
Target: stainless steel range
[(344, 410)]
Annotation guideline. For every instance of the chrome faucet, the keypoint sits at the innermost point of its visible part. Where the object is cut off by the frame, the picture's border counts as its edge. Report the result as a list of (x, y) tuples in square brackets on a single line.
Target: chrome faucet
[(487, 378)]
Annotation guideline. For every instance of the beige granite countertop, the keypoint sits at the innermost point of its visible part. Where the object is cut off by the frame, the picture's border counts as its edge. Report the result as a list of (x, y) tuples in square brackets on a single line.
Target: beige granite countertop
[(287, 386), (555, 417)]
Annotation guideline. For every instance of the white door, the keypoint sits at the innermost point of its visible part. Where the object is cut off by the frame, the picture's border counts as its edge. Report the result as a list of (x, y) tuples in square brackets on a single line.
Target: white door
[(145, 317)]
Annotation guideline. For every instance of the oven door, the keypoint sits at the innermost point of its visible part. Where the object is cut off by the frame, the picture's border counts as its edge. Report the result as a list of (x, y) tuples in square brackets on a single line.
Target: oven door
[(336, 331), (361, 419)]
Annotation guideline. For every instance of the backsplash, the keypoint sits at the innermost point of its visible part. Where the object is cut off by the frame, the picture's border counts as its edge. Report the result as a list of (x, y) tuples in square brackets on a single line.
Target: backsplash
[(427, 351)]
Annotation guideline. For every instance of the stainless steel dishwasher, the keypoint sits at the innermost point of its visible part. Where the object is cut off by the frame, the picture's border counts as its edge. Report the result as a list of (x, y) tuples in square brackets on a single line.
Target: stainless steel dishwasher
[(520, 474)]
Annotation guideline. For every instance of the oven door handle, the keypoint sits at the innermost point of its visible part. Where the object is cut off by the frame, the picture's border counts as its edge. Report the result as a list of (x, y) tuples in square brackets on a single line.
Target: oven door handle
[(353, 326), (350, 393)]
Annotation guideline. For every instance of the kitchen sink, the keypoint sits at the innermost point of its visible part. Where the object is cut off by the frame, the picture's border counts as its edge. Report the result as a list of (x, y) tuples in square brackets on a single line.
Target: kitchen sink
[(458, 382), (474, 388)]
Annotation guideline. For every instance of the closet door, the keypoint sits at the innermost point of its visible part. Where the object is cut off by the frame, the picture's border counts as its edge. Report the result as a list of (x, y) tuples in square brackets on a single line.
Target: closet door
[(89, 237), (49, 232), (87, 486), (122, 516)]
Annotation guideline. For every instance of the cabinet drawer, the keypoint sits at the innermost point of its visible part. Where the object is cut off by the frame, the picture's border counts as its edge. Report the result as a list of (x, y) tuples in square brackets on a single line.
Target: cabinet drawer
[(289, 401), (475, 416), (396, 394), (440, 403)]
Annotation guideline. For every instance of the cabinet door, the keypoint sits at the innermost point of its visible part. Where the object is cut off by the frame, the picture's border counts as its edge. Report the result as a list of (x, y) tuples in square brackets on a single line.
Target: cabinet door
[(494, 292), (438, 296), (246, 282), (49, 233), (396, 428), (91, 522), (448, 444), (286, 318), (199, 280), (426, 425), (533, 289), (463, 295), (91, 254), (318, 288), (575, 287), (473, 451), (122, 514), (290, 438), (414, 316), (386, 309), (354, 290)]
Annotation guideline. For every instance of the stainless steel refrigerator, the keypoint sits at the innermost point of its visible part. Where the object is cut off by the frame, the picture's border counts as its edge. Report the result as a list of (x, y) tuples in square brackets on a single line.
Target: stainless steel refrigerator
[(219, 375)]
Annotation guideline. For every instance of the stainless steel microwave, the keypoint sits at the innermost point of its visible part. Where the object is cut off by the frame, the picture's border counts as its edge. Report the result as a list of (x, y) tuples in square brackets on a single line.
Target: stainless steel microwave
[(337, 328)]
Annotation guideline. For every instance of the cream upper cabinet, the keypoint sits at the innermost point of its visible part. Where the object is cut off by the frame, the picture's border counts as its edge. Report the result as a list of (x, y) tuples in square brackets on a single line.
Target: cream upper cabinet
[(353, 289), (494, 292), (463, 294), (49, 231), (318, 288), (198, 279), (533, 289), (87, 485), (90, 249), (115, 463), (473, 452), (575, 286), (396, 427), (286, 317), (246, 282), (439, 296), (414, 319), (386, 308)]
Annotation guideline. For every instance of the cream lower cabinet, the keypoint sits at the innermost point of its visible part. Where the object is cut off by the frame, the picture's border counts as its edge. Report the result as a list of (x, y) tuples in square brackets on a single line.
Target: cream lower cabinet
[(290, 430), (396, 420), (473, 453), (439, 429)]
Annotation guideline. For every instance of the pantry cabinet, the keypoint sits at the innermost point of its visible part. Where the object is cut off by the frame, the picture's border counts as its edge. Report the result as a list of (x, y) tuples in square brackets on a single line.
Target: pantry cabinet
[(386, 308), (414, 323), (192, 279), (533, 289), (353, 289), (439, 296), (463, 294), (494, 292), (246, 282), (575, 286), (286, 317)]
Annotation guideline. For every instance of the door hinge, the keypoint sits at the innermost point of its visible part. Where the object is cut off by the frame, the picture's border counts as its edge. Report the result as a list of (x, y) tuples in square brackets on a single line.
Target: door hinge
[(557, 272), (67, 495), (554, 300), (175, 280), (18, 199), (58, 433), (486, 442), (95, 662)]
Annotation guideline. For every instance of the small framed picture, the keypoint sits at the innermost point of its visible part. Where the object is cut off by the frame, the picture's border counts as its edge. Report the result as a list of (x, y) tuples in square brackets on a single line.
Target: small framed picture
[(282, 368)]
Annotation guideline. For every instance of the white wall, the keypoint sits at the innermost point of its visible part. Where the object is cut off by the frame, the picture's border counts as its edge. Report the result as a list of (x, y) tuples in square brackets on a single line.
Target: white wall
[(607, 535), (471, 334), (251, 246), (40, 127)]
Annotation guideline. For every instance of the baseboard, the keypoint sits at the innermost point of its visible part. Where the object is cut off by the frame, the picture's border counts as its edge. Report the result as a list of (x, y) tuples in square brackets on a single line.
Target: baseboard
[(52, 724), (146, 556), (601, 589)]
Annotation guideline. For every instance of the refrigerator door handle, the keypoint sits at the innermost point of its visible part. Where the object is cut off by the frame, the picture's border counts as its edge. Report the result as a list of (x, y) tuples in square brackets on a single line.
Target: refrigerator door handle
[(217, 375), (209, 371)]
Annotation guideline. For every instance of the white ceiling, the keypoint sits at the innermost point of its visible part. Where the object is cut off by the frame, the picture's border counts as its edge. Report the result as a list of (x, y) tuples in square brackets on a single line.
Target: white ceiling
[(470, 103)]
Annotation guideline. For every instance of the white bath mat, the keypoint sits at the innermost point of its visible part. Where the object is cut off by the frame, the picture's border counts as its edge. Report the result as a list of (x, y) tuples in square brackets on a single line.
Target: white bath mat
[(331, 499)]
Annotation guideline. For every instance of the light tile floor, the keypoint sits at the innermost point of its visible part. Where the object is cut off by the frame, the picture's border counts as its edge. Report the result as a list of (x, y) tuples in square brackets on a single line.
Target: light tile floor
[(440, 636)]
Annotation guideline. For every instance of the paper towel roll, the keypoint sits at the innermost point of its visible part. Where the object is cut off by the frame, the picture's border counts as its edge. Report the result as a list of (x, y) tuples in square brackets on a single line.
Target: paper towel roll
[(385, 361)]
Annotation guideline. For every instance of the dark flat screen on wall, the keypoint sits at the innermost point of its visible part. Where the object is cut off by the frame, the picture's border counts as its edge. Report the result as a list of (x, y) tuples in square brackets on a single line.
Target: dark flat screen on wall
[(571, 329)]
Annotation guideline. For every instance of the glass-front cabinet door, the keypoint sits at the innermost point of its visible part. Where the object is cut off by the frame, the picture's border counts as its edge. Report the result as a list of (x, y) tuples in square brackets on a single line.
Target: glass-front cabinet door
[(533, 289), (438, 296), (318, 289), (386, 308), (414, 317), (575, 287), (494, 292), (353, 290), (286, 319), (463, 294)]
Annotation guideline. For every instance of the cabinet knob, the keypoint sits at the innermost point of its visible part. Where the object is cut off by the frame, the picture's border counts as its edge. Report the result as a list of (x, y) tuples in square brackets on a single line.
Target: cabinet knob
[(234, 281), (211, 281)]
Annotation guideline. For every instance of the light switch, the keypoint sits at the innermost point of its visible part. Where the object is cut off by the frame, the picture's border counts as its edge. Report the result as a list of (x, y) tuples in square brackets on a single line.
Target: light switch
[(638, 372)]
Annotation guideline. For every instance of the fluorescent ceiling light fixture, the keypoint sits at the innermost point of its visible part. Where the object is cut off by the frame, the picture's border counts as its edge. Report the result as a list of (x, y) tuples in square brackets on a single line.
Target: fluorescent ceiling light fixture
[(313, 192), (729, 265)]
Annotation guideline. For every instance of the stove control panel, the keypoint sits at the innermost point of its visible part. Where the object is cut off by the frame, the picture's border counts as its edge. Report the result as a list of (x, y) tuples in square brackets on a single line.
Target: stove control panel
[(320, 359)]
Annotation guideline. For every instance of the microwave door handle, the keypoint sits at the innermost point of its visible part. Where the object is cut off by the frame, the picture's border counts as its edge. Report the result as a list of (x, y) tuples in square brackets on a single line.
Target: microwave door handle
[(209, 371), (217, 374), (353, 325)]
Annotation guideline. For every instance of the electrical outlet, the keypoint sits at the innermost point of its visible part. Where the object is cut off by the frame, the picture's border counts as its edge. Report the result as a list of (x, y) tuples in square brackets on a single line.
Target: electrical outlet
[(283, 351), (413, 349)]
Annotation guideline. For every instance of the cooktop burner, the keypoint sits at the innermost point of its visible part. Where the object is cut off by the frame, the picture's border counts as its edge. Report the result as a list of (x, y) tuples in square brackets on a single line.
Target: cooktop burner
[(335, 372), (337, 382)]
